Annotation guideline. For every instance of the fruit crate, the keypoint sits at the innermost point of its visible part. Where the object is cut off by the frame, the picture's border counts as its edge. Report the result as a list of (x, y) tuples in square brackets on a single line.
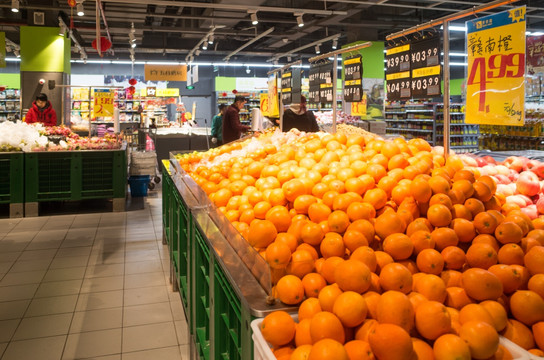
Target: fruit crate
[(11, 182), (201, 295), (75, 175), (167, 189)]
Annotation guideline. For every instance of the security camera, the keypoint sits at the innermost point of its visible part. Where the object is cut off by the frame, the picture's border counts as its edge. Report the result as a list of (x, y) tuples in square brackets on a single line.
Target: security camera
[(42, 81), (248, 70)]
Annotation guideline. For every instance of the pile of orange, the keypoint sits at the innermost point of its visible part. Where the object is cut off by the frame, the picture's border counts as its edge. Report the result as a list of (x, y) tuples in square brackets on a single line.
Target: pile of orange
[(392, 251)]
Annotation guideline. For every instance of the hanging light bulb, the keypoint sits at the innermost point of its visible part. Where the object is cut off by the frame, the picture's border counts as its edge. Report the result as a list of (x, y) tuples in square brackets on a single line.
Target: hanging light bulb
[(205, 45), (15, 6), (300, 21), (210, 39), (317, 49), (80, 9), (254, 19)]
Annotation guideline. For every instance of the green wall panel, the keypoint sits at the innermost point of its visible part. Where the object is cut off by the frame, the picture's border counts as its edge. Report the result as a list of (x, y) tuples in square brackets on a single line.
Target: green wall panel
[(223, 83), (373, 57), (11, 81), (43, 49)]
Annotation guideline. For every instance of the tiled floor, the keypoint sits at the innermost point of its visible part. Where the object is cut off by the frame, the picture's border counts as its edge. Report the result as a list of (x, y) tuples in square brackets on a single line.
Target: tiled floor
[(90, 286)]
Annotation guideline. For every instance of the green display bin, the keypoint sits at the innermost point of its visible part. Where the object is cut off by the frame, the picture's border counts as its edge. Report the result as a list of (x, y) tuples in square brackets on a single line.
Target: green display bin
[(12, 182)]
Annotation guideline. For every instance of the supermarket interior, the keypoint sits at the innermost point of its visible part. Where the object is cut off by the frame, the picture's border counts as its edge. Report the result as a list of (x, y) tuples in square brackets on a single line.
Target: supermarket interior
[(266, 179)]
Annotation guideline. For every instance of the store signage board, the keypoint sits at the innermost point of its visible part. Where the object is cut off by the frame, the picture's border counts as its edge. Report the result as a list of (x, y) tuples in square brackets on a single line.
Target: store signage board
[(251, 83), (496, 69), (327, 91), (425, 67), (273, 99), (165, 72), (313, 83), (353, 79), (398, 78), (2, 50), (359, 108), (535, 54), (167, 92), (290, 86), (103, 103)]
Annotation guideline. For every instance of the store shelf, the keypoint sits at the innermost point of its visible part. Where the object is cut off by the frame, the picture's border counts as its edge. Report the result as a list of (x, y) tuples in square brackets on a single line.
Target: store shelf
[(409, 130), (421, 110), (9, 111)]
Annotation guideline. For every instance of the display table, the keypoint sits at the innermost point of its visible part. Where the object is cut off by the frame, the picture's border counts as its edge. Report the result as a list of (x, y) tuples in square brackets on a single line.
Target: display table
[(209, 266), (74, 175), (180, 139)]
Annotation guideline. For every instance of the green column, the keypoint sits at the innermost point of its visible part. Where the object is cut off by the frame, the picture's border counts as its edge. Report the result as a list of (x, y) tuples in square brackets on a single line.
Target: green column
[(45, 54)]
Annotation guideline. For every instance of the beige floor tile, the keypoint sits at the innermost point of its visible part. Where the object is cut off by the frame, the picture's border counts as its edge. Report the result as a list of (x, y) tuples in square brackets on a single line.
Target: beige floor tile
[(144, 337), (65, 274), (10, 256), (177, 310), (30, 265), (94, 320), (21, 278), (142, 255), (69, 262), (13, 309), (144, 280), (143, 267), (105, 270), (100, 300), (147, 295), (102, 284), (49, 348), (38, 254), (185, 352), (3, 347), (18, 292), (43, 244), (43, 326), (77, 251), (7, 329), (93, 344), (52, 305), (168, 353), (117, 257), (147, 314), (182, 331), (59, 288)]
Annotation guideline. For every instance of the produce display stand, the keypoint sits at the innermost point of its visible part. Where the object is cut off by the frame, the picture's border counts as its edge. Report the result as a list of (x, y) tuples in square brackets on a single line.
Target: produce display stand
[(11, 182), (223, 283), (74, 175)]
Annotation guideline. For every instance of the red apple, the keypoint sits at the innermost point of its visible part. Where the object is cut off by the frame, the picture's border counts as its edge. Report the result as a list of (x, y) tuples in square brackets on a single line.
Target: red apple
[(481, 161), (504, 190), (528, 183), (531, 211), (502, 179), (540, 205), (503, 170), (490, 170), (514, 163), (515, 199), (538, 169), (489, 159)]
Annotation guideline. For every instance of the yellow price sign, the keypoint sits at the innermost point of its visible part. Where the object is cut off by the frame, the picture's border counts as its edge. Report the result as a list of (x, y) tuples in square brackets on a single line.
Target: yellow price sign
[(496, 69), (359, 108), (265, 105), (103, 103)]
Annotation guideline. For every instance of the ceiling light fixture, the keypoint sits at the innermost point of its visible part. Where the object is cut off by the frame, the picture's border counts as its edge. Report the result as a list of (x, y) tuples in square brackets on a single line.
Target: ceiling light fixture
[(197, 52), (335, 44), (205, 45), (300, 20), (133, 45), (211, 39), (289, 59), (16, 53), (15, 6), (80, 9), (317, 49), (253, 16)]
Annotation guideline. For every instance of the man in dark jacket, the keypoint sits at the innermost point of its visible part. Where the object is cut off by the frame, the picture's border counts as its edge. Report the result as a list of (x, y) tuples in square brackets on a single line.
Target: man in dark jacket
[(297, 116), (232, 128), (42, 112)]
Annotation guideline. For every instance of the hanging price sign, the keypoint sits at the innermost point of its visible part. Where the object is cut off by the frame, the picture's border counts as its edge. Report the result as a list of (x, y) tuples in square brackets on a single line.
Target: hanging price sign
[(313, 80), (425, 66), (326, 88), (286, 87), (353, 74), (398, 72), (496, 69), (103, 103)]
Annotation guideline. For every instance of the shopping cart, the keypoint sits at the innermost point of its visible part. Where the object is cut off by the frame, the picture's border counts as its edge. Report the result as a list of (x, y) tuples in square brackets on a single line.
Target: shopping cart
[(142, 155)]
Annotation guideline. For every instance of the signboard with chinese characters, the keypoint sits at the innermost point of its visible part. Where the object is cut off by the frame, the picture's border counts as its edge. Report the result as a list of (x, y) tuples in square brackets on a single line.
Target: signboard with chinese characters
[(326, 88), (353, 79), (103, 103), (496, 69), (264, 105), (535, 55), (290, 87), (273, 100), (313, 83), (425, 66), (359, 108), (397, 61), (165, 72)]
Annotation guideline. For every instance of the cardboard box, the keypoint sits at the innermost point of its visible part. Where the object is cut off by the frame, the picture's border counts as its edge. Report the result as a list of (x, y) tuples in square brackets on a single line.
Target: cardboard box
[(376, 127)]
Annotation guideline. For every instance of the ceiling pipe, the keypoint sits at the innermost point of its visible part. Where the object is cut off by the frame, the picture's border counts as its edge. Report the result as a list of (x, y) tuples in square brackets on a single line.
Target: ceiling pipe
[(256, 38), (225, 6)]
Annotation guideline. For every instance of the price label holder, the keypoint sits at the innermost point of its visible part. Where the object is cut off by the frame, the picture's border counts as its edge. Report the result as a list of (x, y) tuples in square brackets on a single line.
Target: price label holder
[(353, 75), (286, 87), (426, 69), (326, 87), (398, 72)]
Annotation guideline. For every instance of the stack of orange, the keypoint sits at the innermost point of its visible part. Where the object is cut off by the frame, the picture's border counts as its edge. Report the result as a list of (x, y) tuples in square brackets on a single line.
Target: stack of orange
[(399, 253)]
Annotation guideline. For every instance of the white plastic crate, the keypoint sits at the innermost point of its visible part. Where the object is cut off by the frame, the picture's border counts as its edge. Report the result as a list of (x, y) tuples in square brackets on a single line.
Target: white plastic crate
[(262, 350)]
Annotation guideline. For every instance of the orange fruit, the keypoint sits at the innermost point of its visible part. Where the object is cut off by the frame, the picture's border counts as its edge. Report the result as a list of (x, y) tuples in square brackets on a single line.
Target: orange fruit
[(278, 328), (451, 347), (311, 233), (510, 278), (432, 287), (486, 239), (461, 211), (475, 312), (481, 256), (395, 307), (308, 308), (534, 260), (327, 296), (261, 233), (430, 261), (313, 283), (536, 284), (375, 197), (432, 320), (454, 257), (422, 240), (388, 223), (358, 349), (508, 232), (328, 270), (498, 313), (444, 237), (290, 290), (279, 216), (482, 338), (421, 190), (326, 325), (394, 276), (302, 263), (332, 246), (328, 349), (439, 215), (511, 254), (338, 221), (519, 334), (481, 284), (464, 229), (350, 307), (353, 239), (399, 246), (482, 191), (538, 331), (389, 341), (278, 255), (475, 206), (318, 212), (457, 297), (527, 307), (485, 223), (360, 210), (352, 275), (293, 189), (365, 255), (439, 185)]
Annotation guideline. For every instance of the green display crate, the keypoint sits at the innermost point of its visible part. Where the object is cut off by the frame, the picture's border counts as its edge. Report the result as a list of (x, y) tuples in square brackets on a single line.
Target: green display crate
[(11, 178), (103, 174), (201, 295)]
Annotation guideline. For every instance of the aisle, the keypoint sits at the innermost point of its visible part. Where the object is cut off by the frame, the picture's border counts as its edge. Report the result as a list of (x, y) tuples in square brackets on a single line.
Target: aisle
[(89, 286)]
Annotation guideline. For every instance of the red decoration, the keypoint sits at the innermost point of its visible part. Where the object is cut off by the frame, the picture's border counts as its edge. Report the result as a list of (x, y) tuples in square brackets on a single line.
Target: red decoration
[(224, 94), (133, 82), (2, 88), (105, 44), (131, 90), (235, 91), (72, 3)]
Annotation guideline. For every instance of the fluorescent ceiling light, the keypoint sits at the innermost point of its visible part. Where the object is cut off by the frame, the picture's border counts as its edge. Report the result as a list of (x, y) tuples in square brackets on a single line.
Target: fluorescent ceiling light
[(536, 33), (300, 21), (15, 6), (254, 19), (10, 59), (455, 28), (80, 9)]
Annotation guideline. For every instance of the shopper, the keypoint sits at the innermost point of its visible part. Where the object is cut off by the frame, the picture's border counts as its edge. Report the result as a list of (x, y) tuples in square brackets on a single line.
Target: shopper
[(297, 116), (232, 128), (42, 112), (217, 126)]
